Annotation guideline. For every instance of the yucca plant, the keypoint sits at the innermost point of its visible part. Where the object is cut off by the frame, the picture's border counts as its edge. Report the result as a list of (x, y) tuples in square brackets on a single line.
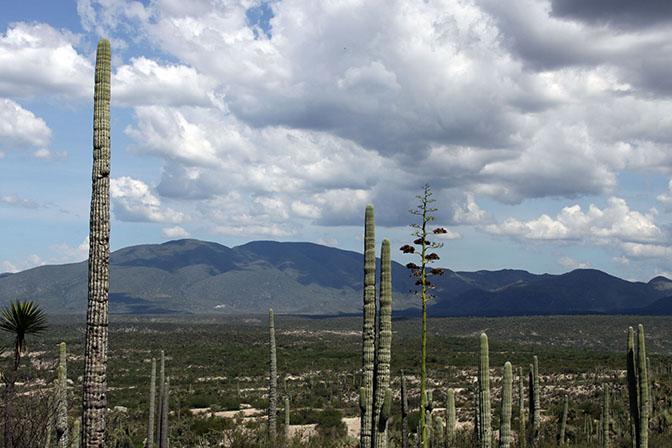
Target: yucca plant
[(20, 319)]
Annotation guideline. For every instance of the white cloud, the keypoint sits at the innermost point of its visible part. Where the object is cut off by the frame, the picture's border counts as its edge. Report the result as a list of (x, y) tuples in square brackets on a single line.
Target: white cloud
[(665, 198), (66, 253), (134, 201), (37, 59), (174, 232), (570, 263), (13, 200), (614, 222), (20, 128), (145, 82)]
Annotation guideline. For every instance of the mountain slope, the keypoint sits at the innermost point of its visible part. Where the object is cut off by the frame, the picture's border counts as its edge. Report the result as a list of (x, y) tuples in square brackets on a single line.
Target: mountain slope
[(201, 277)]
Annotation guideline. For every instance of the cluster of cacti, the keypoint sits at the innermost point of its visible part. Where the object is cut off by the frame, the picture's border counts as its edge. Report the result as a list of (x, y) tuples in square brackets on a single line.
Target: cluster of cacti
[(272, 381), (95, 355), (484, 416), (638, 387), (375, 394), (157, 425)]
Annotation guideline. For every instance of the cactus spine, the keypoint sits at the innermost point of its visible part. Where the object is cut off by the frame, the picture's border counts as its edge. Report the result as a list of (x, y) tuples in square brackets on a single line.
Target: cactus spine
[(604, 421), (95, 354), (273, 381), (505, 417), (368, 330), (485, 420), (381, 412), (404, 412), (522, 437), (563, 421), (638, 387), (450, 417), (62, 435), (152, 406)]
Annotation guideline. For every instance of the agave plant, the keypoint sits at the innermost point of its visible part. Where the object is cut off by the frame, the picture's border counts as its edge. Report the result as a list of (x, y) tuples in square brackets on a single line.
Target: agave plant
[(21, 319)]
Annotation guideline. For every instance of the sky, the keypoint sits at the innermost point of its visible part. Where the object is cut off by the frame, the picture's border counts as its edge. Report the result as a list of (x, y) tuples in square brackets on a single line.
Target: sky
[(544, 127)]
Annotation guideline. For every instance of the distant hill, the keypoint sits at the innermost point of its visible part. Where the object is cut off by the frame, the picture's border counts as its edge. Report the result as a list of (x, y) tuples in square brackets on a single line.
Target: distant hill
[(192, 276)]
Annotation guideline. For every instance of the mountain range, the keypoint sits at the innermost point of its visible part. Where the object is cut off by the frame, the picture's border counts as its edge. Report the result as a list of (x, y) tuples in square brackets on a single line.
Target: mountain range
[(192, 276)]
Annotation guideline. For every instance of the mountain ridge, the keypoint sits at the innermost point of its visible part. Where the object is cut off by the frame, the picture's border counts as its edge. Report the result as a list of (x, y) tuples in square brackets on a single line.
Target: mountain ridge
[(194, 276)]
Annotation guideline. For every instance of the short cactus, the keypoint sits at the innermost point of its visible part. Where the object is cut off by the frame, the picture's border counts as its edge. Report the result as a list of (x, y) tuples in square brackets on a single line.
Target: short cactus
[(62, 435), (563, 422), (273, 381), (152, 406), (451, 419), (638, 387), (485, 418), (605, 420), (404, 412), (522, 436), (505, 437)]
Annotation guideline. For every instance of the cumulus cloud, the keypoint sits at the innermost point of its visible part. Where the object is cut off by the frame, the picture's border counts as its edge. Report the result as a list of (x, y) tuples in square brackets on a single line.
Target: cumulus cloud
[(134, 201), (665, 199), (571, 264), (144, 81), (616, 222), (13, 200), (38, 59), (175, 232), (20, 128)]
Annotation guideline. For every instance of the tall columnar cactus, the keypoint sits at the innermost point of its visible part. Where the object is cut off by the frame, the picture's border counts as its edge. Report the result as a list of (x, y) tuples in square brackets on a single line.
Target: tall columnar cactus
[(95, 354), (62, 435), (638, 387), (152, 406), (76, 434), (404, 412), (563, 421), (381, 413), (485, 418), (368, 330), (451, 419), (162, 387), (505, 437), (287, 421), (522, 436), (604, 436), (273, 381), (165, 410)]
